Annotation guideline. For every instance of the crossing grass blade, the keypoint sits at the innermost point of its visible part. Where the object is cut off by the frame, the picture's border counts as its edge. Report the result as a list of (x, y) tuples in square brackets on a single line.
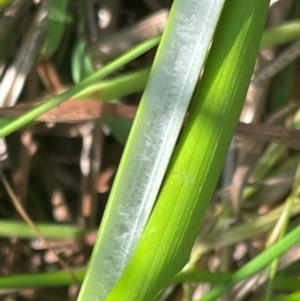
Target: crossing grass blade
[(10, 126), (256, 264)]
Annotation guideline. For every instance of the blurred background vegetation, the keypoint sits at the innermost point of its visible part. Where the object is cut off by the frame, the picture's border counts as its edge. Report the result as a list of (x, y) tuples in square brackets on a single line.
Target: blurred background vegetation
[(57, 173)]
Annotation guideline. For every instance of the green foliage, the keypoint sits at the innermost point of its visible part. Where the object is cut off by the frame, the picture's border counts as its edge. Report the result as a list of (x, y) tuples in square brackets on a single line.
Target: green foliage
[(58, 18), (174, 74), (200, 154), (159, 245)]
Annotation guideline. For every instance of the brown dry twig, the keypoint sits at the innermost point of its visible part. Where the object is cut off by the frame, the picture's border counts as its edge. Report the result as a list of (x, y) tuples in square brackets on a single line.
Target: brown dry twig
[(74, 110)]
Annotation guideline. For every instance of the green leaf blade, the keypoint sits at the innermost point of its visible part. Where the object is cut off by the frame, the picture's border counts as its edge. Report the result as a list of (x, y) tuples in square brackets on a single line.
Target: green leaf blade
[(171, 231), (172, 81)]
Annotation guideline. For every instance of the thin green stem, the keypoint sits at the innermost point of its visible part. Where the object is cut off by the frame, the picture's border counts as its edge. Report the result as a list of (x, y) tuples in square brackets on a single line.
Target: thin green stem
[(72, 92), (256, 264)]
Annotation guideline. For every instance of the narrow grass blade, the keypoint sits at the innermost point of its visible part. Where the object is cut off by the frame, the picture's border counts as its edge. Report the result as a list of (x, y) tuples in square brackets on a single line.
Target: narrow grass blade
[(58, 18), (173, 226), (23, 230), (280, 282), (281, 34), (118, 86), (256, 264), (54, 279), (25, 119), (62, 278)]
